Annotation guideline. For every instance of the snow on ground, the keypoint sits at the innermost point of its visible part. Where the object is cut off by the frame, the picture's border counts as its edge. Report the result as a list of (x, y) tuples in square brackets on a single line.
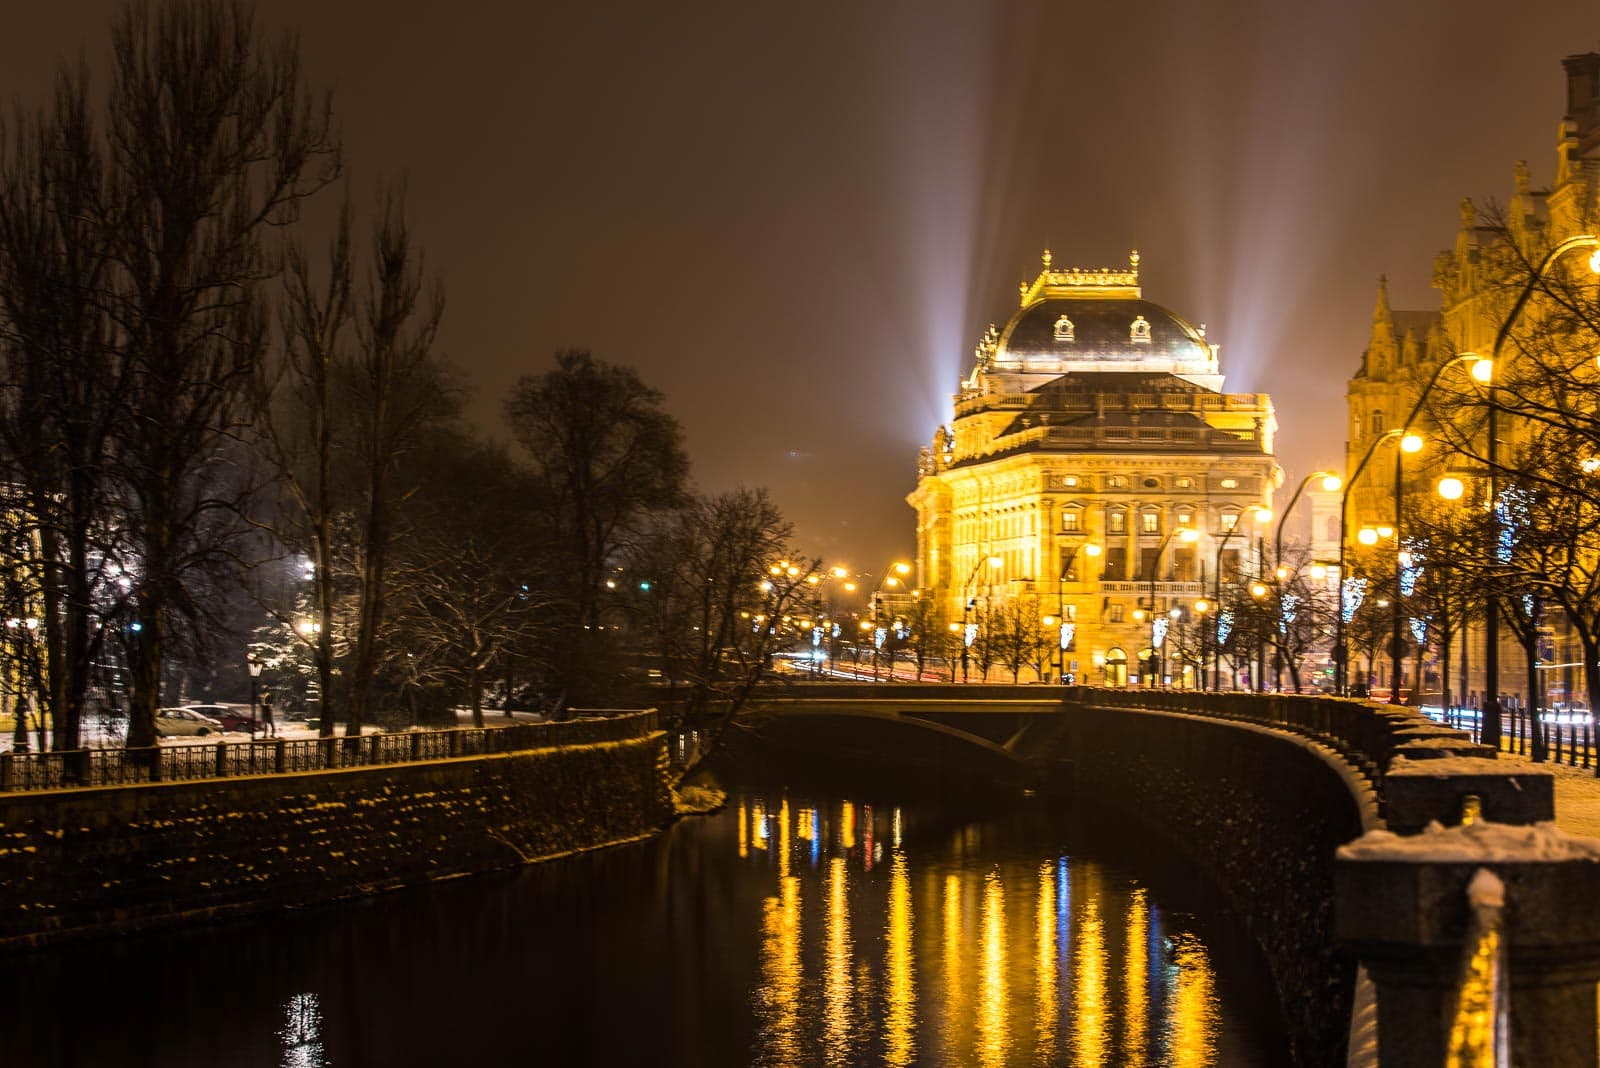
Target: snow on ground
[(1577, 799)]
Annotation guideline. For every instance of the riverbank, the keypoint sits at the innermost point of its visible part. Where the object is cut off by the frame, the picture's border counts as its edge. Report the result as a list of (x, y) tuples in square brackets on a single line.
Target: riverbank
[(83, 862)]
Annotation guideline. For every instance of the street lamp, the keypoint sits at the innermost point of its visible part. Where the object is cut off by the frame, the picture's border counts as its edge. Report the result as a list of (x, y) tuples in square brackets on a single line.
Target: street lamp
[(1184, 534), (1484, 372), (899, 571), (1262, 515), (966, 611), (255, 679)]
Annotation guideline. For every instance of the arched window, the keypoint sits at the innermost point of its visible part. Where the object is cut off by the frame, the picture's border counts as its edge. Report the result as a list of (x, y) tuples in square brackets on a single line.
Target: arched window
[(1139, 332), (1116, 668), (1064, 329)]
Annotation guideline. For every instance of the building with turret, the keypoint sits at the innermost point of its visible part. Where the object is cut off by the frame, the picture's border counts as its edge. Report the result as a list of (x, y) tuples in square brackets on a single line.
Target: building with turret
[(1094, 474)]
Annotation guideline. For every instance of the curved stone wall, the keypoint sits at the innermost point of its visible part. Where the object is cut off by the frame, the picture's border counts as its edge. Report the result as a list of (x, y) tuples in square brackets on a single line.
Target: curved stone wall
[(1259, 812)]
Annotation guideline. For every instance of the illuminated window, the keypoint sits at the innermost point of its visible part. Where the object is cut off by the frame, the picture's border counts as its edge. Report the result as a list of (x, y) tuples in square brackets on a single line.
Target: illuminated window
[(1069, 563), (1119, 522), (1064, 329), (1185, 519), (1230, 483), (1184, 483), (1139, 332), (1072, 521), (1114, 613), (1230, 520), (1115, 482), (1150, 522), (1069, 480), (1377, 422)]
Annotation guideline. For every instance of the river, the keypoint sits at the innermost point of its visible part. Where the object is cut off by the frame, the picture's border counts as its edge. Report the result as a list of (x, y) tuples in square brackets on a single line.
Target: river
[(786, 930)]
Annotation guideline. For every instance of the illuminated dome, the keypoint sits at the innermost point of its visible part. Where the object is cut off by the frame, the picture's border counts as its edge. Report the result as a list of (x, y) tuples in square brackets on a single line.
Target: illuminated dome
[(1091, 320)]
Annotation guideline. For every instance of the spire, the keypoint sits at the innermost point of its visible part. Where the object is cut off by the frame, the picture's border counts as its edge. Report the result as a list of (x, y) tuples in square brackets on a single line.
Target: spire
[(1382, 313)]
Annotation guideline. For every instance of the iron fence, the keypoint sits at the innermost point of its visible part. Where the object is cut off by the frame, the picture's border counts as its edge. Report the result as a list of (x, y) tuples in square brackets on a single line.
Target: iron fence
[(275, 756)]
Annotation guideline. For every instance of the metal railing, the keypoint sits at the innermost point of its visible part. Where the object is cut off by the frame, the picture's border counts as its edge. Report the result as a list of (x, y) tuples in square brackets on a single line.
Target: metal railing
[(221, 760)]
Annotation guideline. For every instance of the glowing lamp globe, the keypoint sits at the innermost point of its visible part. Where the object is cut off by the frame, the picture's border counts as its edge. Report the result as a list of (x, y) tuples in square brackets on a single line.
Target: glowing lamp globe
[(1367, 536), (1483, 371), (1331, 482), (1451, 488), (1411, 443)]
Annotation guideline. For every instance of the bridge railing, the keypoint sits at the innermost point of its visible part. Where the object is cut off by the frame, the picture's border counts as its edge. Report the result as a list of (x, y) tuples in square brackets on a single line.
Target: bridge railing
[(177, 763)]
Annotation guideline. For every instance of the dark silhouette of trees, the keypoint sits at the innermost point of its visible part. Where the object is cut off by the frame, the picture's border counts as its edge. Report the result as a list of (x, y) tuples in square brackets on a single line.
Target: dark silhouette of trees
[(604, 457)]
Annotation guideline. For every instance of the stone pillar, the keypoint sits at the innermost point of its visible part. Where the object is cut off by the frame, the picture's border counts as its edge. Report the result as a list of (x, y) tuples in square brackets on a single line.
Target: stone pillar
[(1402, 908)]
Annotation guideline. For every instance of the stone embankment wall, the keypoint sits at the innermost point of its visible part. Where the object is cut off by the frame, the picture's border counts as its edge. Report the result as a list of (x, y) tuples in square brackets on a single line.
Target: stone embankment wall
[(1260, 813), (80, 861)]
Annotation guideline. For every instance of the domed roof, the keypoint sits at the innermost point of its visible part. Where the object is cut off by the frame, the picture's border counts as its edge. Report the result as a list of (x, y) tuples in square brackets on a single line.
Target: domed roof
[(1078, 320), (1099, 330)]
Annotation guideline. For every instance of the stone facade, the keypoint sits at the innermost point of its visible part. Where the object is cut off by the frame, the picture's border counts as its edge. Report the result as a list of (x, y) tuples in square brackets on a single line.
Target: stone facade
[(1091, 429)]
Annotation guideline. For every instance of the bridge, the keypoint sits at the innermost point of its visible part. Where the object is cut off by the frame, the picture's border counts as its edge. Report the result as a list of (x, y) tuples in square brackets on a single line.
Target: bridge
[(1311, 817)]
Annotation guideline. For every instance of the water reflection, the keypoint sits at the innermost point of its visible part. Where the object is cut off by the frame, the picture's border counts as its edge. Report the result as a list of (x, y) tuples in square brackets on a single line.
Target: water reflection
[(1041, 961), (302, 1033)]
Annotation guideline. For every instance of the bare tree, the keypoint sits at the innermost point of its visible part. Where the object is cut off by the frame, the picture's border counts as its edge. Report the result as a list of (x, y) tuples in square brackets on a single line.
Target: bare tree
[(62, 382), (395, 391), (604, 456), (212, 142)]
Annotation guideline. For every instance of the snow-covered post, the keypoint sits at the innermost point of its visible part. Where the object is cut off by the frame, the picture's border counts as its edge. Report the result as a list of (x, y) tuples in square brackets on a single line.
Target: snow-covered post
[(1406, 905)]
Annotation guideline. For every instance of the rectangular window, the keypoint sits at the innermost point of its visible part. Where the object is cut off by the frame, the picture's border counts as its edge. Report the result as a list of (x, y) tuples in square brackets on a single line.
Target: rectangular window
[(1069, 481), (1116, 564), (1151, 522), (1072, 521), (1230, 520), (1119, 522), (1183, 569), (1069, 563), (1186, 519), (1230, 483), (1149, 564), (1114, 613)]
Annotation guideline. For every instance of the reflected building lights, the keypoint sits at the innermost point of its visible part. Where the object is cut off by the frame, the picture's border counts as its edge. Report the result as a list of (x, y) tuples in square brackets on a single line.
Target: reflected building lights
[(1047, 998), (994, 1024), (866, 835), (783, 839), (847, 825), (897, 826), (1136, 997), (302, 1033), (744, 830), (955, 994), (1191, 1019), (781, 974), (836, 987), (1089, 978), (899, 1030)]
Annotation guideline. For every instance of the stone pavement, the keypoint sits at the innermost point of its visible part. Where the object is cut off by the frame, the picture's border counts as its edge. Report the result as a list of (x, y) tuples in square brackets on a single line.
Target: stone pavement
[(1577, 799)]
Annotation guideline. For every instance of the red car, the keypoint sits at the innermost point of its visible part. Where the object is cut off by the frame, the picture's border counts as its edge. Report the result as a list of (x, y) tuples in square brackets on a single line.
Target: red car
[(231, 718)]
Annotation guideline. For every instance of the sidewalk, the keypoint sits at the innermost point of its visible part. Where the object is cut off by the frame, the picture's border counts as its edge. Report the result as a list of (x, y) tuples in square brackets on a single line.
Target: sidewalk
[(1577, 799)]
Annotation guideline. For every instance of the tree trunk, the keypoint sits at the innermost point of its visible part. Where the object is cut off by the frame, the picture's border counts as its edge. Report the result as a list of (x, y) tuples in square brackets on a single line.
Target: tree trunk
[(1444, 673)]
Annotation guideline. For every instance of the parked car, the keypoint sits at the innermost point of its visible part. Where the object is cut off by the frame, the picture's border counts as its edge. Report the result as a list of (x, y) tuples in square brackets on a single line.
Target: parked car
[(231, 718), (171, 722)]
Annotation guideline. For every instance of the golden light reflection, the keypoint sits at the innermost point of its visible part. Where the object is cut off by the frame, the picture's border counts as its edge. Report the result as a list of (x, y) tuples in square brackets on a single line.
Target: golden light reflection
[(804, 829), (1089, 979), (994, 1024), (1136, 999), (866, 835), (1047, 997), (1191, 1017), (897, 826), (836, 985), (783, 839), (955, 994), (847, 825), (781, 972), (899, 1025), (758, 825), (744, 830)]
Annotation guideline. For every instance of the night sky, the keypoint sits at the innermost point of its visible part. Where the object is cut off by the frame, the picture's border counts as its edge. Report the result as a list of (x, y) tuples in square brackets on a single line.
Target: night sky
[(796, 220)]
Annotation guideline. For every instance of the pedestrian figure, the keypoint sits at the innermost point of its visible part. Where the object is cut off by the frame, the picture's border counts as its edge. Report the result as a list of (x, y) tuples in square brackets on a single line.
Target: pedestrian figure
[(268, 727)]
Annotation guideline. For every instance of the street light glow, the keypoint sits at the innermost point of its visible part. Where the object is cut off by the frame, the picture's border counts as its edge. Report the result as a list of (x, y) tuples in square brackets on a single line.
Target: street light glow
[(1331, 482), (1411, 443), (1184, 534), (1483, 370), (1367, 536), (1451, 488), (1091, 549), (1258, 590)]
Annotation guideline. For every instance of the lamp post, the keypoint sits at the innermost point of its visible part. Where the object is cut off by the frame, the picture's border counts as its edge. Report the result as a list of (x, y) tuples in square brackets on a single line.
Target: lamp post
[(893, 575), (1182, 533), (966, 611), (255, 679), (1484, 372), (1262, 515)]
